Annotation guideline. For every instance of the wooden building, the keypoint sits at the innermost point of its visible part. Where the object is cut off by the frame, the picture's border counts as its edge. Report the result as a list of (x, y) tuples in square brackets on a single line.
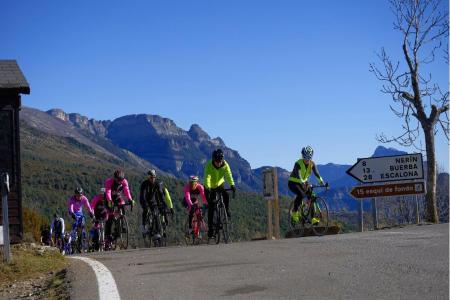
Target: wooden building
[(12, 85)]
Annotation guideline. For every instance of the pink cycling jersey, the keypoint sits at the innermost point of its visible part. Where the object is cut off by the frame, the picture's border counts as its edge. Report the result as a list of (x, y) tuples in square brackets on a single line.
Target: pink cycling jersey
[(109, 184), (187, 194), (96, 199), (76, 206)]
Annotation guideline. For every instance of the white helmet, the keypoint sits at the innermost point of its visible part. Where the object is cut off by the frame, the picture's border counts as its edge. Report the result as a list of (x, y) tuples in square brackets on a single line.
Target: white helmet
[(307, 152)]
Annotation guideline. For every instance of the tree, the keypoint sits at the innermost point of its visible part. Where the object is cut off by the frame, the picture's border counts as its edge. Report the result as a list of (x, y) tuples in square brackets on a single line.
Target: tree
[(423, 105)]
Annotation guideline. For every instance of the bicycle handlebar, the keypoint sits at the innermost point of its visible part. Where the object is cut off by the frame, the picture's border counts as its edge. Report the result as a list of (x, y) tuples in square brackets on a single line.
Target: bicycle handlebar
[(326, 186)]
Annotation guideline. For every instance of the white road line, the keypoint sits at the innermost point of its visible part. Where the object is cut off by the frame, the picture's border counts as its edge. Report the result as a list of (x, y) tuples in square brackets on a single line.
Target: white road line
[(107, 288)]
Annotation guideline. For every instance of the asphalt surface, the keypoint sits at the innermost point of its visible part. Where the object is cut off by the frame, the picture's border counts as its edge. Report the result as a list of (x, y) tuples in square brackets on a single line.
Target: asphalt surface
[(402, 263)]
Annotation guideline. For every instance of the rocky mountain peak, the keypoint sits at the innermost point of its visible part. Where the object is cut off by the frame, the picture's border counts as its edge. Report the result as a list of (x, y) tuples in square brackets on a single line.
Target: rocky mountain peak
[(58, 113), (218, 142), (165, 126), (93, 126), (198, 134), (383, 151)]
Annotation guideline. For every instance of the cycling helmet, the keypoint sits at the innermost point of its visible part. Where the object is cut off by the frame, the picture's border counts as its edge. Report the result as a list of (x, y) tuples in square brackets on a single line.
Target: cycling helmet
[(119, 175), (78, 191), (217, 155), (102, 190), (151, 173), (193, 178), (307, 152)]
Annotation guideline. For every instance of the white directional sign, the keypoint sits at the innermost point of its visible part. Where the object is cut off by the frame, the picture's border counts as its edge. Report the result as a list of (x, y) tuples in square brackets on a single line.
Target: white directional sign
[(388, 168)]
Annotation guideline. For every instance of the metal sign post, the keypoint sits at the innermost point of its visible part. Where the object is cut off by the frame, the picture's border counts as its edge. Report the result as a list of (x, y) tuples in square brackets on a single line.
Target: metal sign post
[(5, 190), (374, 213), (270, 191)]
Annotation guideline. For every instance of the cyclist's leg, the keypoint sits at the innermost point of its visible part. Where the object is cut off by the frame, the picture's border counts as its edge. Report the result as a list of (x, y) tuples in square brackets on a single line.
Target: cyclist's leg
[(226, 201), (211, 198), (191, 216), (108, 225), (298, 191), (144, 206)]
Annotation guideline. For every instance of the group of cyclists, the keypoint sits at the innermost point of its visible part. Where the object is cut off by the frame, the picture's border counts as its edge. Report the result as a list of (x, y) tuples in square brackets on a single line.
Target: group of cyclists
[(153, 194)]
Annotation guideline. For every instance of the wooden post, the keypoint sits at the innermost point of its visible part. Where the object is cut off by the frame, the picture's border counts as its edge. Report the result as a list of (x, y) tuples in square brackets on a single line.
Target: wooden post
[(276, 204), (269, 220), (270, 191), (5, 190), (374, 213)]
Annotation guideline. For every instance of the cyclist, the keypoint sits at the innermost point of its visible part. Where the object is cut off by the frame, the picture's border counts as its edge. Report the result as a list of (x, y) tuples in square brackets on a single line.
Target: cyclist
[(194, 188), (217, 171), (113, 188), (101, 212), (153, 193), (76, 203), (100, 205), (46, 238), (57, 227), (298, 181)]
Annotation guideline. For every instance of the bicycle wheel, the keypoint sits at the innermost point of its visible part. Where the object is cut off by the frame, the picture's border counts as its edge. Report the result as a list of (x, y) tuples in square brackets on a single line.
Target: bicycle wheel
[(157, 230), (225, 225), (187, 236), (122, 230), (147, 236), (217, 224), (320, 214)]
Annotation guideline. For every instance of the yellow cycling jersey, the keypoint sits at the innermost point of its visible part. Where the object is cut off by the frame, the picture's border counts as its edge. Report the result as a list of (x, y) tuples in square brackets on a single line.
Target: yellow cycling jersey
[(301, 172), (215, 177)]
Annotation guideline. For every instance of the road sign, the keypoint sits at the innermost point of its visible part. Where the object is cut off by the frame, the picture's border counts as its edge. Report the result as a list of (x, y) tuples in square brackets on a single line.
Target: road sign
[(386, 190), (388, 168)]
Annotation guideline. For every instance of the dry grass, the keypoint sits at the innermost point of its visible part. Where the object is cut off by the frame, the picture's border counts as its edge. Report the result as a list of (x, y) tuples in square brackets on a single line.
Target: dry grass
[(30, 262)]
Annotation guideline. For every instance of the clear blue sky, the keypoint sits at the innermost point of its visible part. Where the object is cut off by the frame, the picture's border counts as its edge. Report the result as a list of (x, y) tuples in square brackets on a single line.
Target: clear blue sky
[(267, 76)]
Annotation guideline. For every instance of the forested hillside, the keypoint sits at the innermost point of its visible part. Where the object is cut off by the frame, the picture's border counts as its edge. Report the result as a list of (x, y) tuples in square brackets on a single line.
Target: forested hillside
[(52, 166)]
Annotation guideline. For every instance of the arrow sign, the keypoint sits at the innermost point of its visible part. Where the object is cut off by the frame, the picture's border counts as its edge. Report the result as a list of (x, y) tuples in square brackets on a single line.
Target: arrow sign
[(386, 190), (388, 168)]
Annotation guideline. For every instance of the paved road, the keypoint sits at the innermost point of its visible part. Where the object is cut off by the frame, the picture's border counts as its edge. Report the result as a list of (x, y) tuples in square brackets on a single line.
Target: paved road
[(403, 263)]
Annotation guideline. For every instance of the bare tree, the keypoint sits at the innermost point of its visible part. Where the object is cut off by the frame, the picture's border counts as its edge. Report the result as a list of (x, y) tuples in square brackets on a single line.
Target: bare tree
[(422, 104)]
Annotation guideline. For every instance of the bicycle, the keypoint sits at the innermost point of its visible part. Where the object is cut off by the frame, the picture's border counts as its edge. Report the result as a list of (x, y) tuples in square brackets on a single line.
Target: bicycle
[(157, 225), (67, 242), (119, 228), (312, 207), (97, 242), (58, 242), (198, 227), (78, 234), (221, 225)]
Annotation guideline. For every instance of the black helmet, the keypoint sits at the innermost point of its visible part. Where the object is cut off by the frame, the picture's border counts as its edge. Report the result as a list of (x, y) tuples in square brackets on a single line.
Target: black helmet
[(78, 191), (151, 173), (217, 155), (119, 175)]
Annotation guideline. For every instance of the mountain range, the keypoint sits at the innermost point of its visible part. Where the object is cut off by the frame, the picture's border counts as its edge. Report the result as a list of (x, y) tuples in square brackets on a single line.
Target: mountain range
[(146, 141)]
